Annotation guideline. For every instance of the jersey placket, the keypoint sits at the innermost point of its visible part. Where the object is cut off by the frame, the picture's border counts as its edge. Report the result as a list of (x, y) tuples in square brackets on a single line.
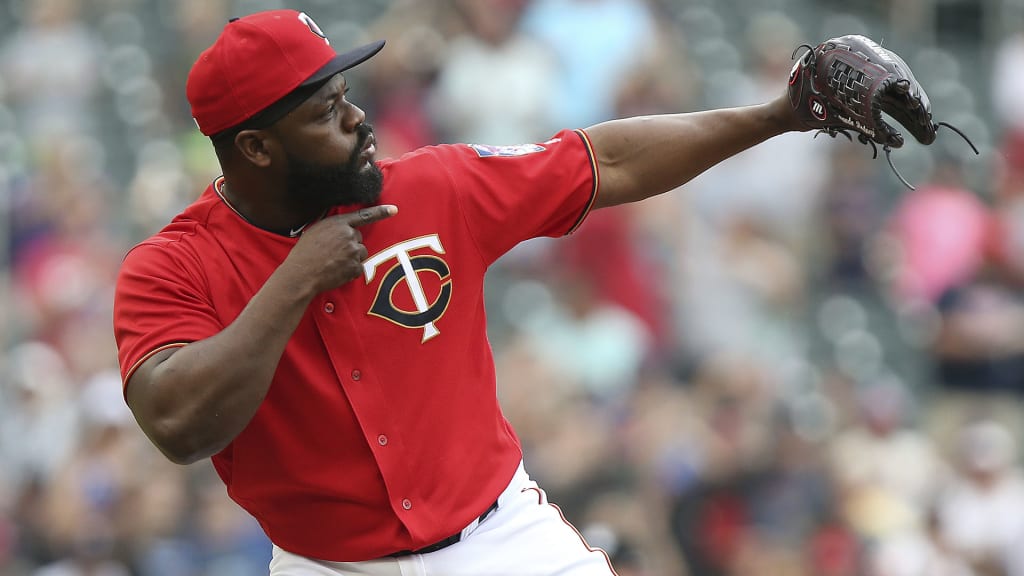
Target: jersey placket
[(366, 394)]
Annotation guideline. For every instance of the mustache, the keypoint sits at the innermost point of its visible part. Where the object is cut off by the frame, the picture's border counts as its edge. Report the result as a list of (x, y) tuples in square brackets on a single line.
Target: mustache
[(363, 131)]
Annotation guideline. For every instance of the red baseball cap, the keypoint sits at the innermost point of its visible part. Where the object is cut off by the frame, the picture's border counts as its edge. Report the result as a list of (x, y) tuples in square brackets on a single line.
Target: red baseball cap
[(258, 60)]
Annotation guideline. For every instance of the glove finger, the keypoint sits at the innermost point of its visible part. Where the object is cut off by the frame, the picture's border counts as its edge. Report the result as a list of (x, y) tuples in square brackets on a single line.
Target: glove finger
[(901, 94), (917, 122), (888, 136)]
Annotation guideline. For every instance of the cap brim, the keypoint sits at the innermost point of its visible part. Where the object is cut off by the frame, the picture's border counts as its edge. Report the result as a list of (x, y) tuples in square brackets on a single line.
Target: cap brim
[(343, 62)]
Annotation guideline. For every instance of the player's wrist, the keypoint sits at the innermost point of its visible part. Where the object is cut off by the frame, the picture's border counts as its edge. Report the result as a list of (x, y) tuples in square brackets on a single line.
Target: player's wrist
[(298, 284), (781, 116)]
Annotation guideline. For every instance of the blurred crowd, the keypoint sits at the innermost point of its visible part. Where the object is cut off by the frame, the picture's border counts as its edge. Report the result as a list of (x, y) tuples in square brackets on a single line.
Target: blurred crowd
[(791, 366)]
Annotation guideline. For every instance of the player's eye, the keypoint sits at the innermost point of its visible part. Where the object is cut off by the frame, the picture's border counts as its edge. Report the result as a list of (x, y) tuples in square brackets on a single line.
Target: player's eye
[(332, 110)]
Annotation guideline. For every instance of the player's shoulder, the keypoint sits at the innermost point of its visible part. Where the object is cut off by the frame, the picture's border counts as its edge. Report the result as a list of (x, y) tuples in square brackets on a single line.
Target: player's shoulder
[(165, 250), (420, 157), (428, 166), (443, 155)]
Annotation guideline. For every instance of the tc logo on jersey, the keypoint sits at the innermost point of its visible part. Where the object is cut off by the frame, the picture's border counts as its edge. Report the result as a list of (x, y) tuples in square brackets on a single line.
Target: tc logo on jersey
[(408, 268)]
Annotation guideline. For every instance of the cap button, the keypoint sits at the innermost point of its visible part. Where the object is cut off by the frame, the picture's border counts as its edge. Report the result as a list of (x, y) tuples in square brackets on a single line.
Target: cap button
[(232, 19)]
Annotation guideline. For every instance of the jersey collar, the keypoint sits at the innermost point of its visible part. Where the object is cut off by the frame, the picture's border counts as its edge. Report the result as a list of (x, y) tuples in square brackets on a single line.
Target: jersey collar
[(218, 187)]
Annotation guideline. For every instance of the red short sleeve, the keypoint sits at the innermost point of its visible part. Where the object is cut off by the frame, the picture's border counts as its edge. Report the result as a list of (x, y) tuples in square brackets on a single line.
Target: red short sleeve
[(512, 193), (160, 302)]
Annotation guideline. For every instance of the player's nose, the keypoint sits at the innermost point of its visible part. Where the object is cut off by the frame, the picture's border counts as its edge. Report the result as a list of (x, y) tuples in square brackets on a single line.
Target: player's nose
[(354, 117)]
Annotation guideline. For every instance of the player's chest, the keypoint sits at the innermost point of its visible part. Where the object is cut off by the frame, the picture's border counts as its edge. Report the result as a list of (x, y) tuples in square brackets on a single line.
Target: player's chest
[(408, 283)]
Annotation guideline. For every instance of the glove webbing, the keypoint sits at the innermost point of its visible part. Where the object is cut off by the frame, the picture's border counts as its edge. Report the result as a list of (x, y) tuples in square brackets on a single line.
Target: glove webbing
[(848, 83)]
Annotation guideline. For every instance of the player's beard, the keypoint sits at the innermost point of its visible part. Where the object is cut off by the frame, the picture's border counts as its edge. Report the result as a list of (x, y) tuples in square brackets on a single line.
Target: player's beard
[(319, 187)]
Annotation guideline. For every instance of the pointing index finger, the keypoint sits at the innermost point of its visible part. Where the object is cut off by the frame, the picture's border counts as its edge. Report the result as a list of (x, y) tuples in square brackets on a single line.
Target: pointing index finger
[(370, 214)]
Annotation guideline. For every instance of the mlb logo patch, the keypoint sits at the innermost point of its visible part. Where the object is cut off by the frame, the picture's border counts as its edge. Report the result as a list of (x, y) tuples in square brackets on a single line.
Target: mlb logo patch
[(488, 151)]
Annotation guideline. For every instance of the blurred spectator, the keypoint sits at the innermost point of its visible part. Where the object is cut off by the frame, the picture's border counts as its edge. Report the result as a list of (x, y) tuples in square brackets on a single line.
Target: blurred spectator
[(1008, 82), (979, 348), (229, 541), (851, 212), (887, 471), (38, 416), (196, 24), (89, 557), (595, 344), (621, 552), (922, 552), (595, 42), (742, 291), (1008, 225), (794, 490), (87, 502), (664, 81), (1007, 92), (65, 257), (710, 523), (713, 519), (50, 68), (512, 106), (834, 549), (607, 251), (943, 232), (38, 423), (161, 523), (980, 512)]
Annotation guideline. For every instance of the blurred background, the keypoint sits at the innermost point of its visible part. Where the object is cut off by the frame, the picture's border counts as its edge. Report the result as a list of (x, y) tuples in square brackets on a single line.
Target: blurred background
[(792, 366)]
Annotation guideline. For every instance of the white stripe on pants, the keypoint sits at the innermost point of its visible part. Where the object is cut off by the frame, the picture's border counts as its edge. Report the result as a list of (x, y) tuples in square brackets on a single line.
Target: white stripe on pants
[(525, 536)]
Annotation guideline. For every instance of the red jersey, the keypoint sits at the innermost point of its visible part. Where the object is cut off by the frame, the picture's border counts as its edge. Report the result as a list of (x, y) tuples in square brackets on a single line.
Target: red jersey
[(381, 430)]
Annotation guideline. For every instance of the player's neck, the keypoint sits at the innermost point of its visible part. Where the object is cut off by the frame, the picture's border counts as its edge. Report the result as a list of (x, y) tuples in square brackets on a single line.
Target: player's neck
[(276, 219)]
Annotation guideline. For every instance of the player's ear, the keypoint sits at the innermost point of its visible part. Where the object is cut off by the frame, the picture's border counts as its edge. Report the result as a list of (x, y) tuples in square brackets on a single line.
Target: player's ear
[(253, 146)]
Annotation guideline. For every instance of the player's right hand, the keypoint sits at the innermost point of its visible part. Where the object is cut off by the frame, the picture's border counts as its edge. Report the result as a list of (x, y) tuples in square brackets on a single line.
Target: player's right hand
[(330, 252)]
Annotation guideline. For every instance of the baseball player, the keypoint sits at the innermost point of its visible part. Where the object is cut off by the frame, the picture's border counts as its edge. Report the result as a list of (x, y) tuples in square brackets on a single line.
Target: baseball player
[(314, 321)]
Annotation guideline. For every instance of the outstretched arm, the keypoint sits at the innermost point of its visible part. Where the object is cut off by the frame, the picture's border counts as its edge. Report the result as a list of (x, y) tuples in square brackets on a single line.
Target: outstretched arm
[(649, 155)]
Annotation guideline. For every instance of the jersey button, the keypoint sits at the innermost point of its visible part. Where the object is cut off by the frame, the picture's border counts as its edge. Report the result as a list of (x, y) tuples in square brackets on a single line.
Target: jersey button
[(382, 440), (356, 374), (329, 307), (407, 504)]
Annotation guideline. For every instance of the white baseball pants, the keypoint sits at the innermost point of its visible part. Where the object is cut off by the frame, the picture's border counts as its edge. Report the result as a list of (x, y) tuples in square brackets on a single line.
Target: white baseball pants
[(525, 536)]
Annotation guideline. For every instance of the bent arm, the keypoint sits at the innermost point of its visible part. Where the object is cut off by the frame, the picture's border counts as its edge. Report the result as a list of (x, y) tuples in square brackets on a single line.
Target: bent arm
[(192, 401), (649, 155)]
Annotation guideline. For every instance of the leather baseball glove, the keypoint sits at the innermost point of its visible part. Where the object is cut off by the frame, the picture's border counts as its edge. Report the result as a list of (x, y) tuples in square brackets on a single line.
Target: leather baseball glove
[(844, 85)]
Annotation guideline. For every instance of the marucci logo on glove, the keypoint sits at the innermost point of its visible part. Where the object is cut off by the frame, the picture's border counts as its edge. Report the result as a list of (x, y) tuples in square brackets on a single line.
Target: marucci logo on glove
[(818, 109)]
